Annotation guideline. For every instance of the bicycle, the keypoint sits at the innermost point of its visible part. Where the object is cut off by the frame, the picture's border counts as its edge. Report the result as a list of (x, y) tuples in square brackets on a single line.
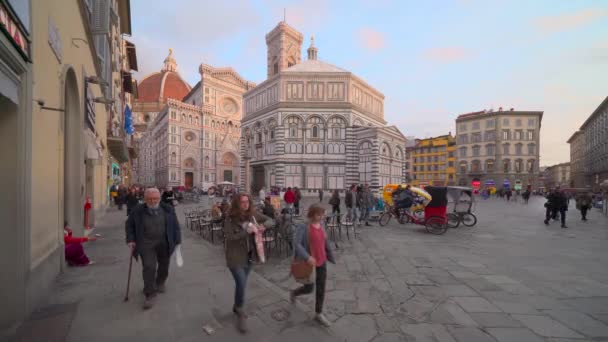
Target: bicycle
[(390, 213)]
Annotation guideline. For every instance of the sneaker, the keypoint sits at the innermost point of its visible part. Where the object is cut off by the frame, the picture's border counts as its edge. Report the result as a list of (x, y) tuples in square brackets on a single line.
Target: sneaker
[(564, 226), (367, 224), (149, 302), (160, 288), (547, 222), (322, 320), (239, 312)]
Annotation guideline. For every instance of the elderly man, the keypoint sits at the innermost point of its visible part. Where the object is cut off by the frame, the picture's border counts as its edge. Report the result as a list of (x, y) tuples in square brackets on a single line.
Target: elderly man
[(153, 232)]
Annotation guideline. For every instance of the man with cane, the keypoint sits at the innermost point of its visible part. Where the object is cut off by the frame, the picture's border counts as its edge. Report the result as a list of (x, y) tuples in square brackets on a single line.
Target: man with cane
[(153, 232)]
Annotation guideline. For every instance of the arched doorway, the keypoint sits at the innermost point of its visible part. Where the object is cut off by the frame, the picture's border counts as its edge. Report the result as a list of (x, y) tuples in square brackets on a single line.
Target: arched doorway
[(229, 167), (73, 156)]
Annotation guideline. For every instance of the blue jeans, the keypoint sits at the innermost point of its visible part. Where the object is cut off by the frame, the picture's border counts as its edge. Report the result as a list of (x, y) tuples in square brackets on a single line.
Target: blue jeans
[(240, 275)]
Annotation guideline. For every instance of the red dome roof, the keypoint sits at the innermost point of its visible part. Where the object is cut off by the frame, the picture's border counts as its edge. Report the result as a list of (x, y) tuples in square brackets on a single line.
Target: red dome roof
[(162, 85)]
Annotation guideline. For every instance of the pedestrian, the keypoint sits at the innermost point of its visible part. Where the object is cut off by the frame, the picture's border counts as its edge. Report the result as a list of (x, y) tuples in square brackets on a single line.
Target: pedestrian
[(509, 194), (583, 203), (113, 194), (262, 194), (312, 246), (289, 198), (556, 202), (153, 232), (334, 201), (239, 229), (526, 196), (349, 201), (366, 200), (121, 199), (297, 200), (132, 200), (320, 195)]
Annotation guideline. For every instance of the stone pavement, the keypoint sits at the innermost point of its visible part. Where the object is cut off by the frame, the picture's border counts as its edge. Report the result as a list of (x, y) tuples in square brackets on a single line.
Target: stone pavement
[(87, 303), (511, 278)]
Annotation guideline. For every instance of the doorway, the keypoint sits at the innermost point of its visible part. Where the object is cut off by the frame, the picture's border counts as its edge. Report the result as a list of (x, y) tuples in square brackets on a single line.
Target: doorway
[(227, 175), (73, 157), (189, 180), (259, 178)]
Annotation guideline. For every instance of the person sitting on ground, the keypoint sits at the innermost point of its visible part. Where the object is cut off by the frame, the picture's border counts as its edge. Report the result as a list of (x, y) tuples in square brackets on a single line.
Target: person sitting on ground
[(74, 252)]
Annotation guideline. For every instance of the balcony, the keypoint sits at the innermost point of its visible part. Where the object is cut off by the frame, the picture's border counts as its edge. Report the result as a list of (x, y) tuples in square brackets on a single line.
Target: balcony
[(117, 144)]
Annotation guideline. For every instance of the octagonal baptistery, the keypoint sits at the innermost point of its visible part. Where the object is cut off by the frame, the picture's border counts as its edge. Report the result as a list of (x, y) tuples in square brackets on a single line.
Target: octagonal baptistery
[(316, 126)]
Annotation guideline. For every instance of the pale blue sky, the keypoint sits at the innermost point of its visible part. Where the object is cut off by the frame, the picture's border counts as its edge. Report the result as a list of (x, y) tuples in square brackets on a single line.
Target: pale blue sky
[(432, 59)]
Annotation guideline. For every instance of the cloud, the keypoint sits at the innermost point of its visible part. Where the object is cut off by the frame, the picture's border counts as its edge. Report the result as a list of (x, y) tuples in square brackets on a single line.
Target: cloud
[(446, 54), (371, 39), (568, 21)]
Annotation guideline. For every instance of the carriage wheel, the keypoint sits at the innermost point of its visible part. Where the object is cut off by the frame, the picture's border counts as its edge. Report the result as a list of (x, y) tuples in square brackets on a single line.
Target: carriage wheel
[(469, 219), (453, 220), (436, 225), (385, 218)]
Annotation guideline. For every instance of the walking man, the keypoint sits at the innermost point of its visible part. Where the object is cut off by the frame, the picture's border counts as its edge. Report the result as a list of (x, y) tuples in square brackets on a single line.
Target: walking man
[(153, 232), (583, 203)]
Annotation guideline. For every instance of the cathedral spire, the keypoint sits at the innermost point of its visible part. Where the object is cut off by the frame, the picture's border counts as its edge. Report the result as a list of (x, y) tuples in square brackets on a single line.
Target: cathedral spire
[(312, 50), (170, 64)]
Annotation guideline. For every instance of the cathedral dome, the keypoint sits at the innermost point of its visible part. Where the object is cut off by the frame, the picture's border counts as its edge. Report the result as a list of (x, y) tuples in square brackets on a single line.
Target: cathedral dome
[(162, 85)]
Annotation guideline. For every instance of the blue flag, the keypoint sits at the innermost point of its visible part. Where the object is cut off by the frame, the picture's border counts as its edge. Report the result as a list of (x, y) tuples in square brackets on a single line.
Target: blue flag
[(128, 120)]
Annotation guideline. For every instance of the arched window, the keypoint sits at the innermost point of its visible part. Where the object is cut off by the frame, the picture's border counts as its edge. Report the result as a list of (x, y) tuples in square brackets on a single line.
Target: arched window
[(518, 165), (530, 166), (314, 126), (293, 125), (506, 165), (475, 166), (196, 120), (184, 117), (190, 118)]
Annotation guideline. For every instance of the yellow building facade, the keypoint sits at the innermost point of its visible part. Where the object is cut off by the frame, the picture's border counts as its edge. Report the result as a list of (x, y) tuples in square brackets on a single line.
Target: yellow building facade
[(433, 161), (54, 118)]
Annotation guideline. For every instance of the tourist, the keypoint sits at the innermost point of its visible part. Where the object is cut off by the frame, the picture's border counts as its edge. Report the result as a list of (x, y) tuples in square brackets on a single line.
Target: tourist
[(349, 201), (74, 251), (153, 232), (262, 194), (289, 198), (312, 246), (268, 209), (239, 227), (320, 195), (334, 201), (556, 202), (121, 199), (132, 200), (583, 203), (366, 203), (297, 201)]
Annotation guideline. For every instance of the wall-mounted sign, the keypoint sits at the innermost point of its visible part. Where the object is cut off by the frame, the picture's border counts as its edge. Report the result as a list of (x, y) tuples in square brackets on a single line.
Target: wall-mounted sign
[(55, 40), (89, 107), (11, 29)]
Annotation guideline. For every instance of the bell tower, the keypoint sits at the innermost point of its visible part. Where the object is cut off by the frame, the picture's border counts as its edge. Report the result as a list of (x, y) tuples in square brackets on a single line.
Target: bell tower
[(284, 44)]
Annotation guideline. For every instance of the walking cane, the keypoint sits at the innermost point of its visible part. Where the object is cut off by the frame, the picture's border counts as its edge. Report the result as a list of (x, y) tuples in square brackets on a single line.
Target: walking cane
[(129, 276)]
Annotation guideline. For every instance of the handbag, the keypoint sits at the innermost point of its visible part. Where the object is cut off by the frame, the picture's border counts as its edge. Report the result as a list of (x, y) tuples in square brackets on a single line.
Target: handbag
[(301, 269), (259, 241)]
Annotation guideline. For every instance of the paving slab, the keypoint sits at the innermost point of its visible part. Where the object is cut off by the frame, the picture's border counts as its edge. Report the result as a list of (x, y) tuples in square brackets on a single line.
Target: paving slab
[(470, 334), (580, 322), (545, 326), (514, 335), (475, 304), (495, 320)]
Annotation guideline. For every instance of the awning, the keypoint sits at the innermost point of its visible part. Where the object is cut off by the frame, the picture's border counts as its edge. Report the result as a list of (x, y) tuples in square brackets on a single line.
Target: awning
[(118, 148), (94, 150), (9, 89)]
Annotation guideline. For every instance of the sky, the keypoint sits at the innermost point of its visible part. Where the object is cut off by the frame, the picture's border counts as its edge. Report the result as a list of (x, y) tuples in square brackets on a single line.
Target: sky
[(432, 59)]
